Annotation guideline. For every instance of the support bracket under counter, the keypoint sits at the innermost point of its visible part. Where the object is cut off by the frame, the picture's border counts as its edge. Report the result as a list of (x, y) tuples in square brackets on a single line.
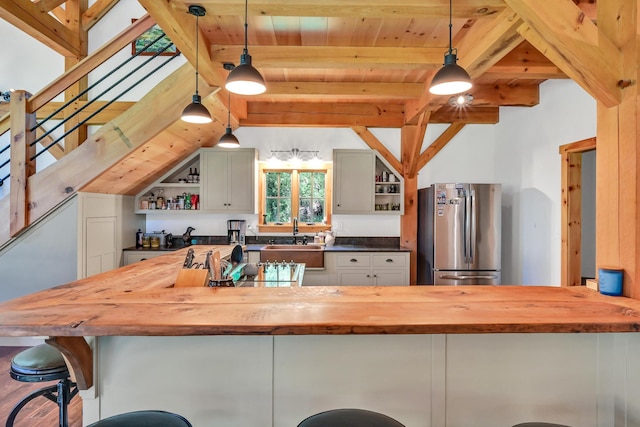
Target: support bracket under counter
[(79, 358)]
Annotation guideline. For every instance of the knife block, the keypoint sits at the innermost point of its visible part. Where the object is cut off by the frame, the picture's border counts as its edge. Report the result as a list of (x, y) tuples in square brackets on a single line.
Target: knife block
[(192, 277)]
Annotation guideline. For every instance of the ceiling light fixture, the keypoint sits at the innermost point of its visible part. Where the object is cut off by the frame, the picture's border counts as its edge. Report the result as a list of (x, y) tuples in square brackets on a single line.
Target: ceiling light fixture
[(460, 101), (451, 78), (228, 140), (296, 155), (245, 79), (196, 112)]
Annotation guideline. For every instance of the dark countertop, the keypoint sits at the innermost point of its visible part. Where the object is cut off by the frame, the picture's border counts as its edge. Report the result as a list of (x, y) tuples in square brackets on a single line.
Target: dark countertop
[(343, 248)]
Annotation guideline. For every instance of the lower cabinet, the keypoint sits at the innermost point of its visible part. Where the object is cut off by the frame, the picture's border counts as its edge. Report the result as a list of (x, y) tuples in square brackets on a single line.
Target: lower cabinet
[(372, 269), (134, 256)]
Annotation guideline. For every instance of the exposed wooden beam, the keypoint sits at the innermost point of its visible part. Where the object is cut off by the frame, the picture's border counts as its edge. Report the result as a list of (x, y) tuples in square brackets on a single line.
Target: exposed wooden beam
[(524, 62), (412, 140), (48, 5), (467, 115), (340, 90), (179, 26), (560, 31), (29, 18), (374, 143), (91, 62), (498, 95), (324, 115), (440, 142), (357, 8), (96, 12), (483, 45), (363, 57)]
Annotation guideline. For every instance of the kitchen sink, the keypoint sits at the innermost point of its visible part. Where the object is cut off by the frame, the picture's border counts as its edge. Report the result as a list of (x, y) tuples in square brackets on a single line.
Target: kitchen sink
[(311, 255)]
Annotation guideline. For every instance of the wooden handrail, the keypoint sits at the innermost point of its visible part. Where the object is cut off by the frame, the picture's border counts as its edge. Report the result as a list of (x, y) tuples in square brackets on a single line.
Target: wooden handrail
[(90, 63)]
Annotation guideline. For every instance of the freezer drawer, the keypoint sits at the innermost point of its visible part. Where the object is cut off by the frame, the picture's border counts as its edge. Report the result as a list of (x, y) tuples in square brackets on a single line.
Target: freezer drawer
[(454, 278)]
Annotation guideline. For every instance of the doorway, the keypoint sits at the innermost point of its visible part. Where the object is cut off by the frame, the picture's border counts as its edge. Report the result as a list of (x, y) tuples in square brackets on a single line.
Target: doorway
[(578, 203)]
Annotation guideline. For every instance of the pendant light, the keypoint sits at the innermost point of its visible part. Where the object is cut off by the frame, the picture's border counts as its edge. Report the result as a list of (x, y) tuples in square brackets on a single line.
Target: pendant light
[(196, 112), (451, 78), (245, 79), (228, 140)]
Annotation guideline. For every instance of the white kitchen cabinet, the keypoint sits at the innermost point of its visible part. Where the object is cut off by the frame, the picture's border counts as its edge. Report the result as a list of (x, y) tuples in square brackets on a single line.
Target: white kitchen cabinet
[(364, 183), (228, 180), (353, 184), (372, 269)]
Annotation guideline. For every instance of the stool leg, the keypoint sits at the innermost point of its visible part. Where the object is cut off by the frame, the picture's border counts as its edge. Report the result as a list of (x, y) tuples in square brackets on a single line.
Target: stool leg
[(14, 412), (63, 400)]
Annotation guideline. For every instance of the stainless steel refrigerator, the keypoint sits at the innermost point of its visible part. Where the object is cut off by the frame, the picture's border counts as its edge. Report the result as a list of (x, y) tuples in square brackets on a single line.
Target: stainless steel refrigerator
[(459, 234)]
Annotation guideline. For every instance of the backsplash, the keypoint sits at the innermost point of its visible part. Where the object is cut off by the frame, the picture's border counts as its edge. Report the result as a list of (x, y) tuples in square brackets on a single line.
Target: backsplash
[(253, 240)]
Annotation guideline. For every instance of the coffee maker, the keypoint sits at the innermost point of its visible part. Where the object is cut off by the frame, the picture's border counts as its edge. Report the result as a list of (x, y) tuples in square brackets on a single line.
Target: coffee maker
[(236, 230)]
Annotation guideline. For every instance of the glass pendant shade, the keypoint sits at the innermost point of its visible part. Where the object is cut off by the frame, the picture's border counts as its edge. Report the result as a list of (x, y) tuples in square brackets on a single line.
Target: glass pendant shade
[(196, 112), (228, 140), (451, 78)]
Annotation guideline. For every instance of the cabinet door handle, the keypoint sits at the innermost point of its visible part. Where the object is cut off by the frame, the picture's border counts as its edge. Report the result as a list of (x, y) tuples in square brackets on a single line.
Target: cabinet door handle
[(389, 260), (368, 275), (353, 260), (375, 275), (338, 204)]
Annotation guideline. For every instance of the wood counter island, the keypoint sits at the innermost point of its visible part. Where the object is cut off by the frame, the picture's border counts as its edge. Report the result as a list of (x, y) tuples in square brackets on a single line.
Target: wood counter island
[(428, 356)]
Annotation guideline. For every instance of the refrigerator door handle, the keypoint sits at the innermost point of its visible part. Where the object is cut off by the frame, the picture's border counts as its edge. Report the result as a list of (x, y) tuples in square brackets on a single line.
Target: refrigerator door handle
[(472, 227), (454, 277), (467, 228)]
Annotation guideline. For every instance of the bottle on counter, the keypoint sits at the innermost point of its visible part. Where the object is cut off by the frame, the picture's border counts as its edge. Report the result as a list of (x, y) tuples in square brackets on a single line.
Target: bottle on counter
[(139, 235)]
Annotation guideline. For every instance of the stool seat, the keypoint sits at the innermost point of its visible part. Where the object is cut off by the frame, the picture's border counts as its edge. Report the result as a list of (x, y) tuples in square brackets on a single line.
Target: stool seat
[(349, 418), (540, 425), (40, 363), (144, 419)]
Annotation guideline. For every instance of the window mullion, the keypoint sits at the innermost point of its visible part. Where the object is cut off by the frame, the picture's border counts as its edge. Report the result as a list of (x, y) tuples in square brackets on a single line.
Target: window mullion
[(295, 194)]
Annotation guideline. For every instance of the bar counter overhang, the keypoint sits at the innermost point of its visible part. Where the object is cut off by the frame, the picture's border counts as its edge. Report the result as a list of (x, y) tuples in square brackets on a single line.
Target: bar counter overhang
[(139, 300)]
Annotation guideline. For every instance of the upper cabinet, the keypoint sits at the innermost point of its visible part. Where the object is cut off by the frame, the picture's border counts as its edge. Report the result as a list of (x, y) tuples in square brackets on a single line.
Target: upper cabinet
[(228, 180), (211, 180), (364, 183)]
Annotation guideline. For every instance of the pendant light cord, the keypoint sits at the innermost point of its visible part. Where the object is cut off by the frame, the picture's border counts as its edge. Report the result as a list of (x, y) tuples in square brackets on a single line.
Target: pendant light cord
[(197, 33), (246, 26), (450, 25), (229, 109)]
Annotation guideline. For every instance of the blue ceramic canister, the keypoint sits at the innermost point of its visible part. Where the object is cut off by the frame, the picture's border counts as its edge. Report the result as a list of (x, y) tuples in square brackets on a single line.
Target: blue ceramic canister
[(610, 280)]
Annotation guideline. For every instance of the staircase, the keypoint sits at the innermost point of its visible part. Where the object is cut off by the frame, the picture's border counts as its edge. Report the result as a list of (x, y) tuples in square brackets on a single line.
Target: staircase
[(122, 157)]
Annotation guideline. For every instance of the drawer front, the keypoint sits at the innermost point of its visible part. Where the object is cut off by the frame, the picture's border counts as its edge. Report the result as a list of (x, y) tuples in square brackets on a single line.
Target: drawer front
[(354, 260), (389, 260)]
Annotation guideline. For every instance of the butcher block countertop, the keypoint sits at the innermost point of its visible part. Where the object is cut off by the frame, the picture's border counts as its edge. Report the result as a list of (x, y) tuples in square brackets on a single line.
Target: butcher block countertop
[(139, 299)]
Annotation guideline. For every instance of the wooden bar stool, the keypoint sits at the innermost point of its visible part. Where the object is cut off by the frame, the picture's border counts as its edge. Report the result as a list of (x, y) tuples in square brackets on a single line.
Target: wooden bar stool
[(39, 364), (349, 418), (144, 419)]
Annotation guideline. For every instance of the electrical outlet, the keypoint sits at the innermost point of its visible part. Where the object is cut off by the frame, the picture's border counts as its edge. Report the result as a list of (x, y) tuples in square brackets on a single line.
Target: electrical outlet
[(337, 225)]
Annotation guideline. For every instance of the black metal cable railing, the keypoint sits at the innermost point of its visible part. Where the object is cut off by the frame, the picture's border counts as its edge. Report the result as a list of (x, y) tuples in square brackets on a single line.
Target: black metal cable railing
[(88, 103)]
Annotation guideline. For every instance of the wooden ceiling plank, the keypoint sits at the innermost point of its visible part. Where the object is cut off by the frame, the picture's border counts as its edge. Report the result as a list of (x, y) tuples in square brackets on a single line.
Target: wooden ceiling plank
[(361, 57), (357, 8), (179, 26), (293, 119), (29, 18), (440, 142), (374, 143), (364, 109), (95, 13), (560, 31), (91, 62)]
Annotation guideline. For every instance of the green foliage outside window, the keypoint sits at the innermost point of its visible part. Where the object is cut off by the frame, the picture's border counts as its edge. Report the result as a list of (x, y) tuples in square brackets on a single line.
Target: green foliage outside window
[(311, 197)]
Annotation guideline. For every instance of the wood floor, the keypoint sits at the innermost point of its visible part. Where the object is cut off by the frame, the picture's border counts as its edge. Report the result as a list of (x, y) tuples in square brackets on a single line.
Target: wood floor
[(40, 412)]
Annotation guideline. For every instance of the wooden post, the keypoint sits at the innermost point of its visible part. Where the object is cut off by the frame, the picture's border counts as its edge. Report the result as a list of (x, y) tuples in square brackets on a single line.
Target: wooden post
[(21, 165), (410, 136), (617, 175)]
